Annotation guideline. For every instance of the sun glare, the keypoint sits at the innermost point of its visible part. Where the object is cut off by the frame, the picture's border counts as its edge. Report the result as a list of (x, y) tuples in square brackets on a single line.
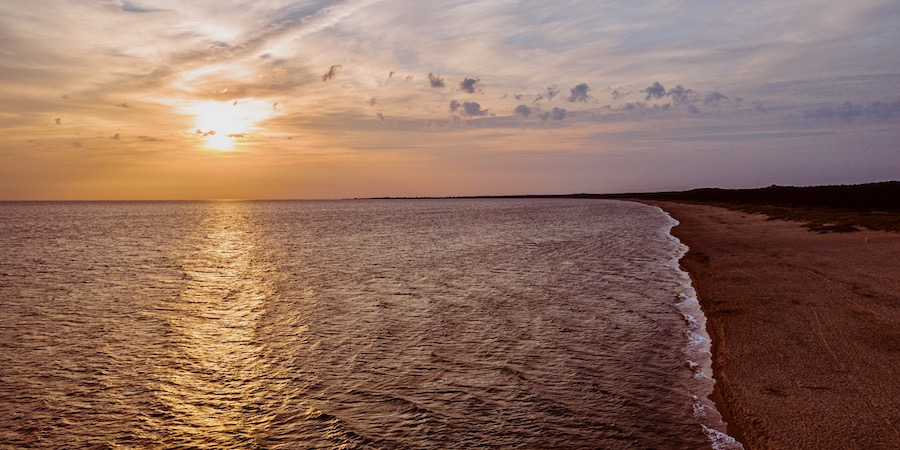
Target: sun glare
[(224, 124)]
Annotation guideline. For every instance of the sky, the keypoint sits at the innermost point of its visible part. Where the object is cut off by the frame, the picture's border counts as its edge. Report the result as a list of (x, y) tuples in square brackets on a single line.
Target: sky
[(265, 99)]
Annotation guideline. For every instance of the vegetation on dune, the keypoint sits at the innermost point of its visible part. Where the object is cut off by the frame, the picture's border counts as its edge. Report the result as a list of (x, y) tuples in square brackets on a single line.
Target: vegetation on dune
[(844, 208)]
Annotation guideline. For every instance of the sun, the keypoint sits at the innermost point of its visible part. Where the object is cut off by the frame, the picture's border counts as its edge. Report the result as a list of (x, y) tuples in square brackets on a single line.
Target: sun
[(224, 124)]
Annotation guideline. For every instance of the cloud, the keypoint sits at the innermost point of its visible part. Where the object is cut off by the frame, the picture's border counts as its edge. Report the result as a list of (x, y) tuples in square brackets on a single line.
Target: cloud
[(551, 91), (654, 91), (825, 112), (579, 93), (469, 85), (848, 112), (713, 98), (131, 7), (473, 109), (555, 114), (883, 110), (693, 109), (332, 72), (523, 111), (558, 114), (434, 80), (759, 106), (617, 94), (273, 50), (150, 139), (680, 94)]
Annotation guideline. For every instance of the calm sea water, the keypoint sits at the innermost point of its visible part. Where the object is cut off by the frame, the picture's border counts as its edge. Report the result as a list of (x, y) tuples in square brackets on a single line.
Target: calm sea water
[(349, 324)]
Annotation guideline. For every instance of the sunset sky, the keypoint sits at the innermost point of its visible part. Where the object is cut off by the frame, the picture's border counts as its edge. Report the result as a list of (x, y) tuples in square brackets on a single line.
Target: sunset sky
[(203, 99)]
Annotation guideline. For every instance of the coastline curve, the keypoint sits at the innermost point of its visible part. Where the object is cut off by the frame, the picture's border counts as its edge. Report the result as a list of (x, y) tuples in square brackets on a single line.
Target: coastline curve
[(710, 408)]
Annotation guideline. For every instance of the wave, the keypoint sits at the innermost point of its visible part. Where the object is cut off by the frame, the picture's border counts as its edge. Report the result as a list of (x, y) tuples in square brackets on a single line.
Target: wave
[(698, 354)]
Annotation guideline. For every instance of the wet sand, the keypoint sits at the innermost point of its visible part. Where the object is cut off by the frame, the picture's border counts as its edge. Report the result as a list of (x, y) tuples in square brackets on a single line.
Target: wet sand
[(805, 328)]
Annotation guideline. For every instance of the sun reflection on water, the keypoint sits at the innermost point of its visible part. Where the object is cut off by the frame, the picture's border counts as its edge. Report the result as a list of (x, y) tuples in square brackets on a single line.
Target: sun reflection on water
[(218, 368)]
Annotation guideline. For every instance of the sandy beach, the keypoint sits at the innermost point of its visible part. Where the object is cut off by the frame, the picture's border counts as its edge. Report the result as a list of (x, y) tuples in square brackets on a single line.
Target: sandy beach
[(805, 328)]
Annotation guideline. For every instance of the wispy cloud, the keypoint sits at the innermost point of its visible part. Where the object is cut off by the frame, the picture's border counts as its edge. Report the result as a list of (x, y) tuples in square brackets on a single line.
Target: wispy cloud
[(133, 7), (332, 72), (340, 75)]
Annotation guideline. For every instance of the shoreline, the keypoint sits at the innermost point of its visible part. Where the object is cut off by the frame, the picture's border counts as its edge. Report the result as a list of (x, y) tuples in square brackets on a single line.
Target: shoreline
[(805, 328)]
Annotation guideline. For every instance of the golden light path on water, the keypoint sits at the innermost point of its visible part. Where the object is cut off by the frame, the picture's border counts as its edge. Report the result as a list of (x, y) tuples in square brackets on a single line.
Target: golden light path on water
[(215, 320), (229, 377)]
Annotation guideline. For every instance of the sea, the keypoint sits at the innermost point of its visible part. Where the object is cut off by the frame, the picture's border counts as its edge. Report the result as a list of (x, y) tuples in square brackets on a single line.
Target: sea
[(372, 324)]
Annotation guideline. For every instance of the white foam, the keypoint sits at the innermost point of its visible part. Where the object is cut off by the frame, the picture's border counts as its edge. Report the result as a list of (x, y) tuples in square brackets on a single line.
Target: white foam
[(697, 340), (692, 321), (697, 368), (720, 440), (705, 411), (698, 354)]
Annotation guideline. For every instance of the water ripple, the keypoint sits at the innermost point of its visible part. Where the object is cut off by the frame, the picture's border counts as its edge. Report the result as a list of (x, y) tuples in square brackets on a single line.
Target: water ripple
[(379, 324)]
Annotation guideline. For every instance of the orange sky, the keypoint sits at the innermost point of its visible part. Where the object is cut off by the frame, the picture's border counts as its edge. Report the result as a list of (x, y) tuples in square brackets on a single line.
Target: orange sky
[(335, 99)]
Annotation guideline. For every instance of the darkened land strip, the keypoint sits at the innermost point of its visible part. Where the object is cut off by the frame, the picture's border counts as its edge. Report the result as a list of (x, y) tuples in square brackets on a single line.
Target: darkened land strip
[(842, 208), (875, 206)]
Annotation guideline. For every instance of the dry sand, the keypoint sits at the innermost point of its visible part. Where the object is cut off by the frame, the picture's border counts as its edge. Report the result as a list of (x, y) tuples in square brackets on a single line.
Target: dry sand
[(805, 328)]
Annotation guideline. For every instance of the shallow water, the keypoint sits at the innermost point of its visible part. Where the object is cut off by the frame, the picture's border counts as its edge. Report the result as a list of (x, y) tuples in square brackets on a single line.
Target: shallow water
[(351, 324)]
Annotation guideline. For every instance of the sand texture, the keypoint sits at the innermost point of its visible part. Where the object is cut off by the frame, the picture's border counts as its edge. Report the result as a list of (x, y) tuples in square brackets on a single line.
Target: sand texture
[(805, 327)]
